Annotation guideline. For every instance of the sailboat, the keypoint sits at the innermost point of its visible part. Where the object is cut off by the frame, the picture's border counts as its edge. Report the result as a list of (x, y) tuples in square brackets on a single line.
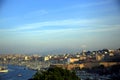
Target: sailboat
[(3, 69)]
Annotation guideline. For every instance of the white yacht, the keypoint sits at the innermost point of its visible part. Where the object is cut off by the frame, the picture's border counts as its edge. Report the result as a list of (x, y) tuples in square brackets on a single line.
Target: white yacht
[(3, 69)]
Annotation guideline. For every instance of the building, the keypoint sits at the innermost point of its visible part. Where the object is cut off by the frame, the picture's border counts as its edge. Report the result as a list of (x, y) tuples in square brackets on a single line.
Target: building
[(72, 60)]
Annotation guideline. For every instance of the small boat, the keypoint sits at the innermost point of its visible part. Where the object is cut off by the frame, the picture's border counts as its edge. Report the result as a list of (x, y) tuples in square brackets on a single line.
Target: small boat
[(19, 75), (3, 70)]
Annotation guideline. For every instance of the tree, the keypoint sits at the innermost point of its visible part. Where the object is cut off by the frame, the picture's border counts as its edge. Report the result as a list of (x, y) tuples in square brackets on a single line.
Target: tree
[(55, 74)]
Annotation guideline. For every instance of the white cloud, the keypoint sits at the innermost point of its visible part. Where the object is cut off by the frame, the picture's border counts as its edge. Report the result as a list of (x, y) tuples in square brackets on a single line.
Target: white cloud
[(66, 23), (92, 4), (35, 13), (104, 28), (79, 30), (70, 24)]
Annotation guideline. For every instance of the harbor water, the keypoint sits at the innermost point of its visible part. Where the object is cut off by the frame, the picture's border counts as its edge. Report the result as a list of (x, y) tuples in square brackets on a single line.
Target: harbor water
[(17, 73)]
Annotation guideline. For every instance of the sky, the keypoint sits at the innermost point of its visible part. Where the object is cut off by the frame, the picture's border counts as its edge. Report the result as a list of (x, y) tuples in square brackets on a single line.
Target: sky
[(58, 26)]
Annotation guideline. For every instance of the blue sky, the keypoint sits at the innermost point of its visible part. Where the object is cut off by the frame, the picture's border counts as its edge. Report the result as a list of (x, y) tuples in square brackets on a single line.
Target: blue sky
[(58, 26)]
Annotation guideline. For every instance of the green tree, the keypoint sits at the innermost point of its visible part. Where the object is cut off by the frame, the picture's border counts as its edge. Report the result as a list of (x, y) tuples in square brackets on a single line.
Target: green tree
[(55, 74)]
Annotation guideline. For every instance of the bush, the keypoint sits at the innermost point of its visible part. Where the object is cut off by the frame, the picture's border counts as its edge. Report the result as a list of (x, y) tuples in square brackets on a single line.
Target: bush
[(55, 74)]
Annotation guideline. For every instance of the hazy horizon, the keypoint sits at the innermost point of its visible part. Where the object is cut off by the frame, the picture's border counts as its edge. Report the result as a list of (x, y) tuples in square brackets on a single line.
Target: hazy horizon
[(48, 26)]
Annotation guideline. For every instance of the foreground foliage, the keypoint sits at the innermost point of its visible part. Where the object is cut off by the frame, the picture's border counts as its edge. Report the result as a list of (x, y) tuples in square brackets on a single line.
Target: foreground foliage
[(55, 74)]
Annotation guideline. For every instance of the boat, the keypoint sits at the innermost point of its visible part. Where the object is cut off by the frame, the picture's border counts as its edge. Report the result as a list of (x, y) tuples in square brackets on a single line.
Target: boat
[(19, 75), (3, 70)]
